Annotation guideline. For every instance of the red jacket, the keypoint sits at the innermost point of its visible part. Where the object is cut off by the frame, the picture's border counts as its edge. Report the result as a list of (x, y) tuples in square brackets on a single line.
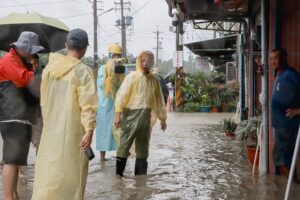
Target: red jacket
[(12, 69)]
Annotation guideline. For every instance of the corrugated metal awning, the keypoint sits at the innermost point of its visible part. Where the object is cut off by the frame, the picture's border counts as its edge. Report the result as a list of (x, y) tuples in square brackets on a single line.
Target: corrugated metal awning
[(214, 47)]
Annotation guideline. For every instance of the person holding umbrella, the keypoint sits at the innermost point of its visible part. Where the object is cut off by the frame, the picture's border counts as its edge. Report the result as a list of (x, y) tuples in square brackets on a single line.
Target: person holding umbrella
[(15, 119), (69, 105)]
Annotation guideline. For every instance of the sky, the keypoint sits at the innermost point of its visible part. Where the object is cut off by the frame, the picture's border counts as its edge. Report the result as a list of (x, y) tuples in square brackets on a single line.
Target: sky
[(148, 17)]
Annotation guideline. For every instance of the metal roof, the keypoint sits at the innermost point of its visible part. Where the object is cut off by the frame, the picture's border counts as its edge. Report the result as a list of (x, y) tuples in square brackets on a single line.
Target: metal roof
[(214, 47)]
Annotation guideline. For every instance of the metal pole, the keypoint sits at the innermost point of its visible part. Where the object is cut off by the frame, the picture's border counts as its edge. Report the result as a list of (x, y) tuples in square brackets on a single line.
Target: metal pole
[(293, 167), (265, 117), (177, 38), (176, 70), (95, 34), (123, 30)]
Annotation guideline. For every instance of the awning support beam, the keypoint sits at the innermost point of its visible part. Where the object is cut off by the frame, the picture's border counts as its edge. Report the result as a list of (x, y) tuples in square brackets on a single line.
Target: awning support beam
[(233, 27)]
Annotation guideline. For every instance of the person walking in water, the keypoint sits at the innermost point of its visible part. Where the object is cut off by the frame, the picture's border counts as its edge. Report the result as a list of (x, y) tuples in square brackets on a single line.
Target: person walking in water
[(110, 77), (69, 105), (15, 107), (138, 96)]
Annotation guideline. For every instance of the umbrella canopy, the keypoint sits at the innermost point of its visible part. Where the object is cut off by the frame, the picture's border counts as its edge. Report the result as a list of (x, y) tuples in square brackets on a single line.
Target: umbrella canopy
[(52, 32)]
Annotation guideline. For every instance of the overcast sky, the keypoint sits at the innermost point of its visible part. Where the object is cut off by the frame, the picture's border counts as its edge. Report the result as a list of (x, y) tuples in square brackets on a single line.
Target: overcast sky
[(147, 15)]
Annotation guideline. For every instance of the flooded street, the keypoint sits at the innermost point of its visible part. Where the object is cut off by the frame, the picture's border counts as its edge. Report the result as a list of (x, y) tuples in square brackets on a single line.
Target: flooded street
[(191, 160)]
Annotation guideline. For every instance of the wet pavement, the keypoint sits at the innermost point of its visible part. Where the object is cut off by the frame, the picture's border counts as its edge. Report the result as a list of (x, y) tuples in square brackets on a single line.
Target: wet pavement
[(191, 160)]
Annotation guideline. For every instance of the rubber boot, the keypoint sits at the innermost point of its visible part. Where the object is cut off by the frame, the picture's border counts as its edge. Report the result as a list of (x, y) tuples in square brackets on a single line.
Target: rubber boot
[(120, 166), (141, 166)]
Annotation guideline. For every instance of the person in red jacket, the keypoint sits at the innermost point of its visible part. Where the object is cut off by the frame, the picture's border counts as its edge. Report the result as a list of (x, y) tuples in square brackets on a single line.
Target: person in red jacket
[(16, 72)]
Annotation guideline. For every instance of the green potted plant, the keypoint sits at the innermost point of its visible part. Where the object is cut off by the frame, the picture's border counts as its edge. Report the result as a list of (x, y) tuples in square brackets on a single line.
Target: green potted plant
[(229, 126), (224, 94), (248, 131), (215, 103), (232, 105), (205, 104), (191, 107)]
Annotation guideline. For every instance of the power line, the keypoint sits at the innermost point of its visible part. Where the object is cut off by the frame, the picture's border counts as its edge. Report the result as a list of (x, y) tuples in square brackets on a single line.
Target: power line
[(20, 5), (75, 15), (35, 4), (139, 9)]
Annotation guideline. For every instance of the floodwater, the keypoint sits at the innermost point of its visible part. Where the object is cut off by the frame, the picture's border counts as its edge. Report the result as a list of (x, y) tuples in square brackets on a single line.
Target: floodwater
[(191, 160)]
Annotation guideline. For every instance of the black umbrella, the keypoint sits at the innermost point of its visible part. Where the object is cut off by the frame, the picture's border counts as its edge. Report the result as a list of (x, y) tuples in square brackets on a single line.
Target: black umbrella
[(52, 32)]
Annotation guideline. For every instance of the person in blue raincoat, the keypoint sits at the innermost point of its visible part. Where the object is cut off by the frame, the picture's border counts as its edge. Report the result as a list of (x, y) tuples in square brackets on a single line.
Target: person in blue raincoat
[(110, 77)]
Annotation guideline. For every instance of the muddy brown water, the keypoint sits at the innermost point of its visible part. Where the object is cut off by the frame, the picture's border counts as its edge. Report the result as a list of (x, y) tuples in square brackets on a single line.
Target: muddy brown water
[(191, 160)]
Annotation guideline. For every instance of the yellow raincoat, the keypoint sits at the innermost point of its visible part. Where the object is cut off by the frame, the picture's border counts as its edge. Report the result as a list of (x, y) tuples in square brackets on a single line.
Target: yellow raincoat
[(138, 97), (69, 103)]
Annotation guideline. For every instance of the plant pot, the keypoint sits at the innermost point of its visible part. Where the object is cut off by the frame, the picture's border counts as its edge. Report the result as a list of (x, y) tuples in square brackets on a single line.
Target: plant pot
[(251, 155), (204, 109), (214, 109), (229, 134)]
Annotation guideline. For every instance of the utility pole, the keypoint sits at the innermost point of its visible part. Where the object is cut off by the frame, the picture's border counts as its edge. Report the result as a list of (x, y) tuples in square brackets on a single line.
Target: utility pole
[(123, 6), (95, 20), (95, 34), (158, 44), (123, 30)]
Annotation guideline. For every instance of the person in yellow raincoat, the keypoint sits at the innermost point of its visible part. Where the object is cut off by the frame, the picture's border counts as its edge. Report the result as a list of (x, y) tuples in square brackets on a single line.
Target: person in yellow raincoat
[(139, 95), (69, 104)]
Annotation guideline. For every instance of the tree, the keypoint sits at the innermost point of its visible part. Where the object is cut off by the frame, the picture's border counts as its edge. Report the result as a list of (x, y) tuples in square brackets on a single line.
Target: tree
[(165, 66)]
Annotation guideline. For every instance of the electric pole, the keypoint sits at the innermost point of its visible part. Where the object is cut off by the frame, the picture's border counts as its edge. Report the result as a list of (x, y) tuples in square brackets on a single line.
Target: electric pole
[(95, 20), (95, 34), (158, 44), (123, 6), (123, 30)]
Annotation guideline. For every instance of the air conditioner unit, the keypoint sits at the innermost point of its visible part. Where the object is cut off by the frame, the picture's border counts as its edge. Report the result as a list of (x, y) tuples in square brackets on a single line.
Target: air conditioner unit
[(231, 71)]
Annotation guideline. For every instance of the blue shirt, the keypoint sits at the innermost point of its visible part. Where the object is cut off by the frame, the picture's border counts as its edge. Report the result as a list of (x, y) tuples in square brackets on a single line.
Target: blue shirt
[(286, 94)]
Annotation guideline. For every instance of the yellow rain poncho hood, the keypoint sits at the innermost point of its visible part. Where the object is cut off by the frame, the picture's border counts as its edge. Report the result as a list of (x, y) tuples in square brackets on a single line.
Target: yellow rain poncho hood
[(112, 81), (69, 104), (137, 89)]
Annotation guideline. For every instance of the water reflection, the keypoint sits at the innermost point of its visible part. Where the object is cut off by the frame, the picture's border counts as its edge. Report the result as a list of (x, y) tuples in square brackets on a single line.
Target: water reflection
[(191, 160)]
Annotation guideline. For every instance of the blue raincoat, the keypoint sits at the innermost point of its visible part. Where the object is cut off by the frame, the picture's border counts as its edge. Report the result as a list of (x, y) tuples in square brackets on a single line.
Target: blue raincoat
[(105, 115)]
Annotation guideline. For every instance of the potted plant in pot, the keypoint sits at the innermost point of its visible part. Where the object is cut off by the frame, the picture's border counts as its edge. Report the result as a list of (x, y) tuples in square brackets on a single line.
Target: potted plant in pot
[(248, 131), (232, 105), (224, 95), (215, 103), (204, 105), (229, 126)]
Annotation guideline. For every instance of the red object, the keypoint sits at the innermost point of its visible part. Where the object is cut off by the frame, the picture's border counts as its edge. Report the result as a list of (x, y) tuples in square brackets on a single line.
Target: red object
[(13, 69), (169, 104), (229, 134), (284, 170), (214, 109), (251, 155), (218, 2)]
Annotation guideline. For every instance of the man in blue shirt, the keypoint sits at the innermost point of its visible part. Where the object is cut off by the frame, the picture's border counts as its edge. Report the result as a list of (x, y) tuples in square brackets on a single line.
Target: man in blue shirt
[(285, 108)]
